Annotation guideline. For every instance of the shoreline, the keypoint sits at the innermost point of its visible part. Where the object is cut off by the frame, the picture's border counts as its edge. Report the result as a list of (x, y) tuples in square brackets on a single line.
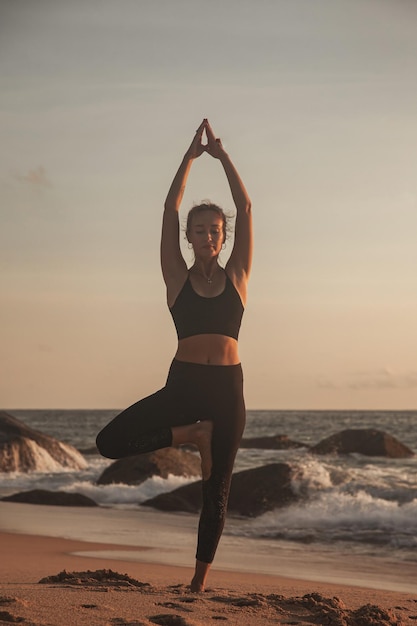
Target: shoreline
[(18, 550), (166, 539), (240, 598)]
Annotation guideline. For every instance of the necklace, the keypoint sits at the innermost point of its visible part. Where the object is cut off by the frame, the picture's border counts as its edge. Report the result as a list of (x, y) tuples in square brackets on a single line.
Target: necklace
[(209, 279)]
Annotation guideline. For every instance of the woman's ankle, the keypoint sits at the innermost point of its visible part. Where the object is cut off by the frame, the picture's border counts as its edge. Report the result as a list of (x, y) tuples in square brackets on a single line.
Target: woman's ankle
[(198, 583)]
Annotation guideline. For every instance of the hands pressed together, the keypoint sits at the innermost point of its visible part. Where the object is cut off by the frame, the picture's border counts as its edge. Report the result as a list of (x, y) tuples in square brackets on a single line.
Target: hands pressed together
[(213, 146)]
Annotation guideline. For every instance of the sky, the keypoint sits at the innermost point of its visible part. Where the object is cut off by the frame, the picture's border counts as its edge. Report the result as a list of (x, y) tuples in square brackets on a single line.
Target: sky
[(315, 101)]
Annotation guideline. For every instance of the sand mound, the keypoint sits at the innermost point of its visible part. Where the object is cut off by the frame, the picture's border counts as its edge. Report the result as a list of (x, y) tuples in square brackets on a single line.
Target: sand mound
[(88, 578)]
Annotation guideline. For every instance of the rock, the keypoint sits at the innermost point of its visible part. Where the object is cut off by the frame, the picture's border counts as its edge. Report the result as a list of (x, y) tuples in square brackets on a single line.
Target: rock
[(136, 469), (367, 441), (260, 489), (23, 449), (275, 442), (53, 498), (253, 492)]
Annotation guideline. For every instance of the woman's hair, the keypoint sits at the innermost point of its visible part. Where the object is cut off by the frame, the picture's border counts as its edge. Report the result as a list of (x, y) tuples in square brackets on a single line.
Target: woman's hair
[(208, 206)]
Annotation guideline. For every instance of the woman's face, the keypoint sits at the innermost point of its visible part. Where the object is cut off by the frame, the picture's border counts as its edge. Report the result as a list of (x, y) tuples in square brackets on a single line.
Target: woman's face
[(206, 234)]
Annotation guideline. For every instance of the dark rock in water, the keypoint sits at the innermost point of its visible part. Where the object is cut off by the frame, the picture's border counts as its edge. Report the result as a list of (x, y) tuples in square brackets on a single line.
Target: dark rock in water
[(275, 442), (136, 469), (23, 449), (367, 441), (253, 492), (53, 498), (260, 489)]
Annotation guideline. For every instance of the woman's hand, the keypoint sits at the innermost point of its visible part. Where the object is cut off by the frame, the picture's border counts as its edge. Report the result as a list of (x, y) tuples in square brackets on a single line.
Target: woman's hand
[(196, 148), (214, 146)]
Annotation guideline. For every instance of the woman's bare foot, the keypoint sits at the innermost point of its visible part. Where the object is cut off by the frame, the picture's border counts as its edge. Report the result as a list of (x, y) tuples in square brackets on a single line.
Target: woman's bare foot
[(196, 587), (199, 434), (198, 582)]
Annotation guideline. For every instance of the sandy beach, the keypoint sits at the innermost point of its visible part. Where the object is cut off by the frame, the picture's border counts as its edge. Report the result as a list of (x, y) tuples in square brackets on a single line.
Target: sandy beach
[(95, 590)]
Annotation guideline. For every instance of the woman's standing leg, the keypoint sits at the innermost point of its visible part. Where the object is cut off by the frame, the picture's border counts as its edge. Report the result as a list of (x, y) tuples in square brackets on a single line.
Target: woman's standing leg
[(229, 424)]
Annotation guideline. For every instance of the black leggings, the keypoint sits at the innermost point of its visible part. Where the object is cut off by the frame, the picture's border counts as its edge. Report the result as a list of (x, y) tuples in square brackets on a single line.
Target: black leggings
[(192, 392)]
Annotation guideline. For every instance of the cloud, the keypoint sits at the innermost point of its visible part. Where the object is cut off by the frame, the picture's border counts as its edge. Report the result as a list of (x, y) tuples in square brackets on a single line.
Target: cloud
[(36, 178), (384, 378)]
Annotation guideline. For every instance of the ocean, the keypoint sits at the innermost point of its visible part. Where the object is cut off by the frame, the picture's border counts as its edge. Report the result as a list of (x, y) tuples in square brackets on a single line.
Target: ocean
[(353, 503)]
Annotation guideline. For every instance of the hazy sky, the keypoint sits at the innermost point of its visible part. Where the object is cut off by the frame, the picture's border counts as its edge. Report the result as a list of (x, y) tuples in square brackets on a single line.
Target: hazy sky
[(315, 101)]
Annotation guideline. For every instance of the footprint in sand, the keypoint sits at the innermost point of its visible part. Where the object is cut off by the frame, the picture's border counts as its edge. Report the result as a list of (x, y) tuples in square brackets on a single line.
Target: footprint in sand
[(169, 620)]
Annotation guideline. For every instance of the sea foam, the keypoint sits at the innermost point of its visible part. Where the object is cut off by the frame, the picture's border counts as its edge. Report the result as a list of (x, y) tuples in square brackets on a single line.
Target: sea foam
[(338, 516), (121, 494)]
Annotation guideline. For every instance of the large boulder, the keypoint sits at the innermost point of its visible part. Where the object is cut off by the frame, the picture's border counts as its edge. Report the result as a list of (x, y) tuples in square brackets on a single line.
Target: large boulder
[(23, 449), (274, 442), (52, 498), (261, 489), (367, 441), (135, 470), (253, 492)]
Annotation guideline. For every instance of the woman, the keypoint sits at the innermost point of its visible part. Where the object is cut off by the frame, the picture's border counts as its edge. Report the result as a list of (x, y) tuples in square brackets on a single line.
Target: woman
[(202, 402)]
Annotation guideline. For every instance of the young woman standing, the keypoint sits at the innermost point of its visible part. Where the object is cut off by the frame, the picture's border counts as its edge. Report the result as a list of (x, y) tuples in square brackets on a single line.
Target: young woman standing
[(202, 402)]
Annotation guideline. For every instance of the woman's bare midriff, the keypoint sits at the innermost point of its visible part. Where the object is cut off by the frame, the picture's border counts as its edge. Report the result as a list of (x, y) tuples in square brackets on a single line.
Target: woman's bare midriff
[(208, 350)]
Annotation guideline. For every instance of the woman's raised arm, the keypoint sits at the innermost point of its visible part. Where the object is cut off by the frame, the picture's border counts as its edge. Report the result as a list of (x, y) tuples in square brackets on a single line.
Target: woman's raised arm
[(172, 262), (240, 261)]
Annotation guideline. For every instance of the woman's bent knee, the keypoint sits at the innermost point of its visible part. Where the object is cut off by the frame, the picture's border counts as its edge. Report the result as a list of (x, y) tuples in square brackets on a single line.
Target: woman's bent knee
[(106, 445)]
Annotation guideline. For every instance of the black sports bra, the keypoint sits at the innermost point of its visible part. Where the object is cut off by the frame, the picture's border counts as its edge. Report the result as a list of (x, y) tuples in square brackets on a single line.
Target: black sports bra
[(197, 315)]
